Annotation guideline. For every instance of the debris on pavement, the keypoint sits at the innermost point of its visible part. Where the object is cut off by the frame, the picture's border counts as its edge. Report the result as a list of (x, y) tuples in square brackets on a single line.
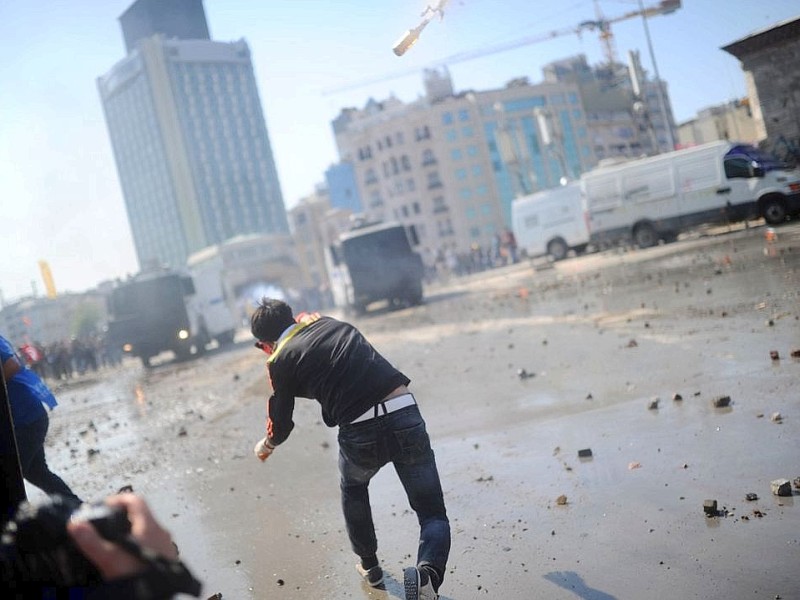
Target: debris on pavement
[(585, 453), (781, 487), (776, 417), (721, 401), (653, 404), (561, 500), (751, 497), (710, 507), (523, 374)]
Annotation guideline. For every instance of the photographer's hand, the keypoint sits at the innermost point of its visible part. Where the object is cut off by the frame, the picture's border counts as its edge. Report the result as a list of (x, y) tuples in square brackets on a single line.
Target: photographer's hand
[(111, 560)]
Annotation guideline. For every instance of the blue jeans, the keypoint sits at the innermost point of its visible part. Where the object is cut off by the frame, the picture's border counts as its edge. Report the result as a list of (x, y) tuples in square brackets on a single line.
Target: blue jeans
[(30, 445), (400, 438)]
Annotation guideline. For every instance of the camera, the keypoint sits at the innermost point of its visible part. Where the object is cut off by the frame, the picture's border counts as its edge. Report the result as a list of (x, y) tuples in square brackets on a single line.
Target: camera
[(36, 548)]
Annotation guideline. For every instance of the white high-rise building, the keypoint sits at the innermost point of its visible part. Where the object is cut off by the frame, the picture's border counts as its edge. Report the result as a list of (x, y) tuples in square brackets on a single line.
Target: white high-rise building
[(189, 136)]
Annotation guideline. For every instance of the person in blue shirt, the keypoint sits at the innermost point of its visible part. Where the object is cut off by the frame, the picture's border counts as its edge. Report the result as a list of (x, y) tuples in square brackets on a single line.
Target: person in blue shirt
[(27, 395)]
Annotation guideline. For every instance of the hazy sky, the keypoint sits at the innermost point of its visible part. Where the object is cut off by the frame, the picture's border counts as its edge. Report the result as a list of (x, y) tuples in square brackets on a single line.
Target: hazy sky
[(61, 199)]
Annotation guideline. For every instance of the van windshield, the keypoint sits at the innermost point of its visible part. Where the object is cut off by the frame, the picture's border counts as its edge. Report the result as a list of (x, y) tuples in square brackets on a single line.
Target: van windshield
[(765, 160)]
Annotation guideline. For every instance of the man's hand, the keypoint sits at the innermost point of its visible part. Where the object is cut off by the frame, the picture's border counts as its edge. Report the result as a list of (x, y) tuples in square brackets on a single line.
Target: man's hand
[(263, 449), (110, 559)]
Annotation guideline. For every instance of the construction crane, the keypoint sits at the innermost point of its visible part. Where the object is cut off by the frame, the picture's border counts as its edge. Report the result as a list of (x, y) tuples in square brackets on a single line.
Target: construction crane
[(599, 24)]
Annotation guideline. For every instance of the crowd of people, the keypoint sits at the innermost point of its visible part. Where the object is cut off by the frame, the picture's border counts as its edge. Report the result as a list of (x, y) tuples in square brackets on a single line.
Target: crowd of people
[(66, 359), (448, 262)]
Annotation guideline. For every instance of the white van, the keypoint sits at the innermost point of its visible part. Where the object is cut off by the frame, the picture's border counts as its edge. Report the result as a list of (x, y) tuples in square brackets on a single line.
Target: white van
[(658, 197), (212, 309), (551, 222)]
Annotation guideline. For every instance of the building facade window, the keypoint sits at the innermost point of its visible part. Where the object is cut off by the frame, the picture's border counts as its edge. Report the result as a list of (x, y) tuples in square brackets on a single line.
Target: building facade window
[(439, 205), (433, 180), (422, 133)]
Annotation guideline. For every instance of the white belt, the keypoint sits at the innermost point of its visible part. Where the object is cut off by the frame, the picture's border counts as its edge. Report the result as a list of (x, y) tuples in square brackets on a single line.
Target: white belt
[(386, 407)]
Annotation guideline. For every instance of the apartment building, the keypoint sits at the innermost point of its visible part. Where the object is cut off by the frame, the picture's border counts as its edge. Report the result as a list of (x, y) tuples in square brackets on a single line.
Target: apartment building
[(731, 121), (316, 225), (449, 165)]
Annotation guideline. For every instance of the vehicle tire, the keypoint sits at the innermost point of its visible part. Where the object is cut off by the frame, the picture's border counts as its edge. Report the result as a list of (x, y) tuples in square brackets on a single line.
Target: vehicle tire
[(557, 249), (182, 352), (225, 338), (645, 236), (670, 237), (414, 297), (774, 212)]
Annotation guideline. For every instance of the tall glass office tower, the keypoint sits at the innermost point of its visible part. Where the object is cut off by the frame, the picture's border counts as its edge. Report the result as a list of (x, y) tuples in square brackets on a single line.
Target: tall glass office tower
[(189, 136)]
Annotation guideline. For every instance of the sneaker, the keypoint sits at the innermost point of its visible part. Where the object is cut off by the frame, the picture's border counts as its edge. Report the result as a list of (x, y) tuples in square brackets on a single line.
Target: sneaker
[(373, 576), (418, 585)]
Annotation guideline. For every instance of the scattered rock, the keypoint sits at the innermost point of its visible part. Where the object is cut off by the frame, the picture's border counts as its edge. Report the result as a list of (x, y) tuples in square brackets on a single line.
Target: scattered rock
[(781, 487), (721, 401), (217, 596), (561, 500), (751, 497), (182, 432), (677, 397), (653, 405), (589, 396), (796, 483), (125, 489), (632, 344), (483, 479), (710, 507), (523, 374), (773, 354), (585, 453), (776, 417), (795, 353), (634, 465), (236, 377)]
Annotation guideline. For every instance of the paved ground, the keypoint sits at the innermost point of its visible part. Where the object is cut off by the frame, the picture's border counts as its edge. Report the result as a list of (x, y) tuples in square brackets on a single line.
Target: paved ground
[(601, 338)]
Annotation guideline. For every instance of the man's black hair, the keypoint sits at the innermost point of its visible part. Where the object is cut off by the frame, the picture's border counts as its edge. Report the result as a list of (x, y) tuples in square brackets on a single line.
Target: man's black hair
[(270, 319)]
